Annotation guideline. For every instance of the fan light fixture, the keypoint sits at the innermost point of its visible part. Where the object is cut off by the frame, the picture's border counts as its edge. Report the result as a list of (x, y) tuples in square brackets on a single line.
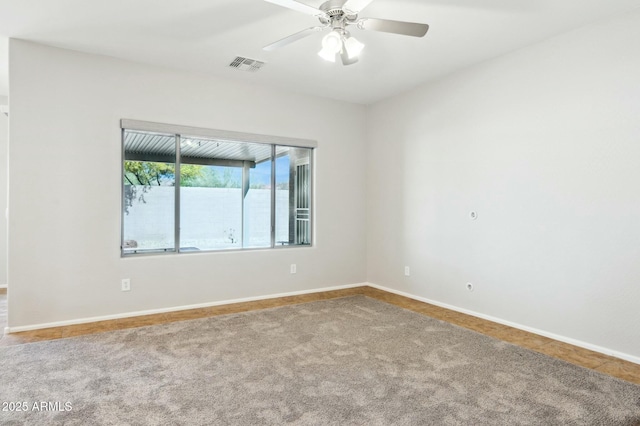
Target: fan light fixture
[(331, 44), (353, 46), (339, 42)]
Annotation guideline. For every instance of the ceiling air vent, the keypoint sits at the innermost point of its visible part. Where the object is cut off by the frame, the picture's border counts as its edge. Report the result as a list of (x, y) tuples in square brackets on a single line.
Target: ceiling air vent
[(246, 64)]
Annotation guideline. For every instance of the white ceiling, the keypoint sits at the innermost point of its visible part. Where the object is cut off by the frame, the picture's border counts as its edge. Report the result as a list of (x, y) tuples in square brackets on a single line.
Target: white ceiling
[(205, 36)]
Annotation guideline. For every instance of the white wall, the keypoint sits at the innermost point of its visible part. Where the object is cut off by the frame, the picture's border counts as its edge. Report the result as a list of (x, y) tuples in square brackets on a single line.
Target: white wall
[(544, 144), (4, 140), (64, 240)]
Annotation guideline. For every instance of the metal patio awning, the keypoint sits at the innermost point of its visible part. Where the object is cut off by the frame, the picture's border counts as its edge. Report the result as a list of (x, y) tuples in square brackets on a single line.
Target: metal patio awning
[(147, 146)]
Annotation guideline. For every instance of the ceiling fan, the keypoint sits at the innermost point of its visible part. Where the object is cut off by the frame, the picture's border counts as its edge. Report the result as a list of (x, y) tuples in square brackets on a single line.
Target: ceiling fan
[(338, 15)]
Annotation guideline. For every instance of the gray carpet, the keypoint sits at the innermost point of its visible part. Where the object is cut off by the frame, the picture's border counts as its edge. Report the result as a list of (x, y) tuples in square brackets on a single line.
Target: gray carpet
[(338, 362)]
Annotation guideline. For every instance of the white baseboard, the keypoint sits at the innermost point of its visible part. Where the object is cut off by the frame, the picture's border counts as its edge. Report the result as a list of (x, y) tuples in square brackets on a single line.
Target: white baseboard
[(173, 309), (3, 286), (569, 340), (595, 348)]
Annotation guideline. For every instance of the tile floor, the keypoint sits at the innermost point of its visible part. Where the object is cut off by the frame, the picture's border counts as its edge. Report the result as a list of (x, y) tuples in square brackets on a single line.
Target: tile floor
[(3, 309)]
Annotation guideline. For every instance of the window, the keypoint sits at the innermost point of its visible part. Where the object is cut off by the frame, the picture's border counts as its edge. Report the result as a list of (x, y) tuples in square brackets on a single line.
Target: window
[(187, 189)]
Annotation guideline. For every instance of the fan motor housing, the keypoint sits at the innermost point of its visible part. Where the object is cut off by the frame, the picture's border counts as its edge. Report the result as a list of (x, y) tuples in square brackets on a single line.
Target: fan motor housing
[(333, 8)]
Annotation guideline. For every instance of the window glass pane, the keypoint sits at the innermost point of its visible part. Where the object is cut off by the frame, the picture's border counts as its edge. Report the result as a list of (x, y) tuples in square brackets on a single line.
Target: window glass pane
[(293, 196), (226, 197), (282, 198), (149, 192), (257, 206), (210, 196)]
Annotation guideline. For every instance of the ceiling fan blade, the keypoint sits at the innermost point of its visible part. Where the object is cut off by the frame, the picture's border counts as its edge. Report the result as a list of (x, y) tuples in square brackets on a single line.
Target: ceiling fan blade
[(355, 6), (299, 7), (397, 27), (293, 37)]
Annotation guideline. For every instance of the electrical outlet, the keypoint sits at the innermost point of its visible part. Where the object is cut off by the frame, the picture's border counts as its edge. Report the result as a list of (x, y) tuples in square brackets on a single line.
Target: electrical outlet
[(407, 271), (293, 268), (126, 284), (469, 286)]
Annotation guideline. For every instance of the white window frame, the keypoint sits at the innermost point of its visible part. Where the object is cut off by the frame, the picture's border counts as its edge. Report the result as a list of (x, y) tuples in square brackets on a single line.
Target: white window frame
[(223, 136)]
